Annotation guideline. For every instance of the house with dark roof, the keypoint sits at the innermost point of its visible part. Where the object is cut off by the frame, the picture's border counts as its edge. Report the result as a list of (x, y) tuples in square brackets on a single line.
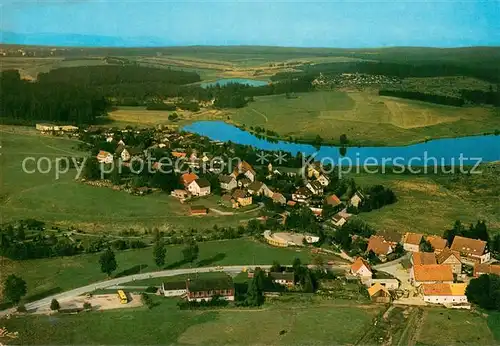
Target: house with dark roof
[(228, 201), (258, 188), (174, 288), (483, 268), (227, 182), (302, 195), (199, 289), (423, 258), (242, 197), (199, 187), (285, 278), (391, 237)]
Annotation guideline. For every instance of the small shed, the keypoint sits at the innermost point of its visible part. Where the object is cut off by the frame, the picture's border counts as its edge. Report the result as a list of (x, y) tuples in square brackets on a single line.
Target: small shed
[(379, 294)]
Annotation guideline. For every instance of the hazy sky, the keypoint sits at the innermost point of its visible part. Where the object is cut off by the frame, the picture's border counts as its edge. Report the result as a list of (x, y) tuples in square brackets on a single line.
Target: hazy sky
[(286, 23)]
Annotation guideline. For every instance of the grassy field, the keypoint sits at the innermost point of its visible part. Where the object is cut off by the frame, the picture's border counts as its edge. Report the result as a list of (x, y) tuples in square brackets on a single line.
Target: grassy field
[(66, 202), (365, 118), (431, 203), (60, 274), (452, 327), (166, 324)]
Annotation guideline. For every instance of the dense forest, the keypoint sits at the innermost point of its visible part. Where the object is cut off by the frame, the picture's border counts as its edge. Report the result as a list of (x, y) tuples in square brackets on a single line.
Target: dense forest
[(24, 102)]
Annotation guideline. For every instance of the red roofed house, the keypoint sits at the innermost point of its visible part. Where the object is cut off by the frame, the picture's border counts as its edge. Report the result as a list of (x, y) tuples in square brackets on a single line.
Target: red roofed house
[(411, 241), (430, 274), (188, 178), (379, 246), (423, 258), (473, 250), (362, 269), (480, 269), (333, 200)]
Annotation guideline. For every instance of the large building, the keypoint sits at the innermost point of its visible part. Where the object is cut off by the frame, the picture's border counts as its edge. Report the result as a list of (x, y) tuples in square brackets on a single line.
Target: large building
[(445, 293), (472, 250), (206, 289), (430, 274)]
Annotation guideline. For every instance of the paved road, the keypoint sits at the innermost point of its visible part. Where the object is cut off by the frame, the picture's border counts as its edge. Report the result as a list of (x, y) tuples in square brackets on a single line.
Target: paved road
[(118, 281)]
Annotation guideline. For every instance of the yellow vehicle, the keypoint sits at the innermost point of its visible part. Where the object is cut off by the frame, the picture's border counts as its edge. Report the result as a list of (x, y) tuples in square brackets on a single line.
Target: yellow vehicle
[(122, 296)]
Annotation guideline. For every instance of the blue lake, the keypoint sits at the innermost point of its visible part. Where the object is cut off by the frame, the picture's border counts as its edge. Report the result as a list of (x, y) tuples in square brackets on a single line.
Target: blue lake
[(222, 82), (445, 151)]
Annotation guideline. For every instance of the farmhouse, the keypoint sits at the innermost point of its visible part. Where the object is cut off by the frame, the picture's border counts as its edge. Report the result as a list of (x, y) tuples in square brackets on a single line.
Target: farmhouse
[(259, 188), (483, 268), (411, 241), (361, 268), (452, 258), (104, 157), (227, 182), (431, 273), (445, 293), (199, 187), (473, 250), (284, 278), (379, 246), (379, 294), (206, 289), (173, 289)]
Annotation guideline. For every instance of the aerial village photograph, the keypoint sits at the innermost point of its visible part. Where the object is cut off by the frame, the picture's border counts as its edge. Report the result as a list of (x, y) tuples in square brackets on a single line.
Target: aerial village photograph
[(249, 172)]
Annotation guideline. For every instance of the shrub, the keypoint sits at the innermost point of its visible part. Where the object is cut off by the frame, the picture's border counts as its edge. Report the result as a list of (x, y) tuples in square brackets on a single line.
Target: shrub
[(54, 305), (22, 308), (87, 306), (146, 300), (151, 289)]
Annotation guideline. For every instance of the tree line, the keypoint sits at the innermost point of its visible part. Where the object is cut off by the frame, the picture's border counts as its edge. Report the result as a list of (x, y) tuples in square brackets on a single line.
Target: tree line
[(476, 97), (24, 102)]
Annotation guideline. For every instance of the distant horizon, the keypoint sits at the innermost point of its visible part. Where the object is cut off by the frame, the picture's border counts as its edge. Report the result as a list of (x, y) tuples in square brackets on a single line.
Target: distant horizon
[(9, 41), (287, 23)]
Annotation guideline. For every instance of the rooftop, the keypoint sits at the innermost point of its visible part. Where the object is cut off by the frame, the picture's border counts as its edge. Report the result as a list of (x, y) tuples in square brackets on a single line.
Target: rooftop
[(433, 272), (221, 283)]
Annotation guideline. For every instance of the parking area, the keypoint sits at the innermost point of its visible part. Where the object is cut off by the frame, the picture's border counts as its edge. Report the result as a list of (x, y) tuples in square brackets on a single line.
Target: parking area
[(98, 302)]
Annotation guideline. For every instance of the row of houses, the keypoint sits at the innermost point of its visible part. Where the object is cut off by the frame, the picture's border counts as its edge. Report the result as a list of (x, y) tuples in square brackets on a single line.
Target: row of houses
[(469, 250)]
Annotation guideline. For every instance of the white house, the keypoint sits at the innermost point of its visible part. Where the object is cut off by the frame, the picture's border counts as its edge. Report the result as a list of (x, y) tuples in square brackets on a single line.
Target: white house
[(199, 187), (445, 293), (173, 289), (472, 250), (362, 269), (228, 182)]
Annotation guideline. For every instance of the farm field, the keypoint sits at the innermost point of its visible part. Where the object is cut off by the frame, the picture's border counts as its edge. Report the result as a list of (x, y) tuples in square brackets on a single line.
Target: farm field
[(66, 202), (431, 203), (298, 326), (53, 275), (452, 327), (366, 119)]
